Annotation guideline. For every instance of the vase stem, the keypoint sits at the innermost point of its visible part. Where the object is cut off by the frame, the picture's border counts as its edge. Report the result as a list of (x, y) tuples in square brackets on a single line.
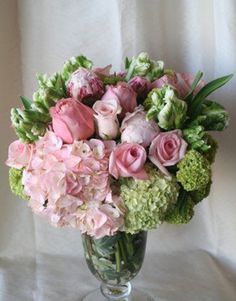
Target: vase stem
[(116, 292)]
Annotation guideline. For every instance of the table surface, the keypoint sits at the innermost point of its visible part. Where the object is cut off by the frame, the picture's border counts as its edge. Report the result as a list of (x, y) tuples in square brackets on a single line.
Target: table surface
[(190, 276)]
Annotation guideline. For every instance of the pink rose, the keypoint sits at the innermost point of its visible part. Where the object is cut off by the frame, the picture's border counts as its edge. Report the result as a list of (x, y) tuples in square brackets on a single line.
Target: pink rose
[(84, 84), (167, 149), (124, 94), (140, 85), (106, 118), (127, 160), (19, 154), (72, 120), (135, 128), (180, 81)]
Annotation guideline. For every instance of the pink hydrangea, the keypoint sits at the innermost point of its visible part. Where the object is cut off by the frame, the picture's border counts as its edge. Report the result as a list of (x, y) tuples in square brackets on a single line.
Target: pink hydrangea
[(68, 184)]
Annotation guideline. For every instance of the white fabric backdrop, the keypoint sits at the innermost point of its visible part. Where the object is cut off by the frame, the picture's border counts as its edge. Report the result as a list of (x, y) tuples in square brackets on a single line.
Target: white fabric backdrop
[(190, 262)]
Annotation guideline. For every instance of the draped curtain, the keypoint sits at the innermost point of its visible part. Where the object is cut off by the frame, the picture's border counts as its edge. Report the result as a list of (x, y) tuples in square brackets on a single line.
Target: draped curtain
[(193, 262)]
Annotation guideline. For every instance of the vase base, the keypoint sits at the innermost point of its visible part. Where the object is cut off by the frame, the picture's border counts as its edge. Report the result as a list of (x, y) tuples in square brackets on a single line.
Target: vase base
[(136, 295)]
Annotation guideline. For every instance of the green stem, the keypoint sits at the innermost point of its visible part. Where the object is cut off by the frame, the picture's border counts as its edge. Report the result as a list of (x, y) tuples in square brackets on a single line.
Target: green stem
[(129, 244), (122, 248), (118, 258)]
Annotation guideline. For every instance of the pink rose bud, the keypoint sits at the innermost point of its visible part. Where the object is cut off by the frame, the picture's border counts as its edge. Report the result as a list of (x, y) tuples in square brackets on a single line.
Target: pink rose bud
[(124, 94), (106, 118), (127, 160), (103, 72), (167, 149), (140, 85), (84, 84), (135, 128), (19, 154), (180, 81), (72, 120)]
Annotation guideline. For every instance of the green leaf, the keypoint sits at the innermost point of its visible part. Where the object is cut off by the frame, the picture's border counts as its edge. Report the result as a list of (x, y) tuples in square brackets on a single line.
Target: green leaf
[(26, 102), (195, 106), (127, 63), (197, 78)]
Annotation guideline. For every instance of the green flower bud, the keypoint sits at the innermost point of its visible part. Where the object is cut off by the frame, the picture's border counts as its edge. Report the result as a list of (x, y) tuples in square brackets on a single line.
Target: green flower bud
[(164, 106), (143, 66), (73, 64)]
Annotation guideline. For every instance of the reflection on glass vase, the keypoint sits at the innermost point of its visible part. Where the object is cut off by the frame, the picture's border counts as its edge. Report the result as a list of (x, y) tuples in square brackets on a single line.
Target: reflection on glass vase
[(115, 260)]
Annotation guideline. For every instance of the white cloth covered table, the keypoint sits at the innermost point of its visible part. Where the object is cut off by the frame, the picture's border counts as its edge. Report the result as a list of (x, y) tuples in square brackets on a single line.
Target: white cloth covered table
[(194, 262)]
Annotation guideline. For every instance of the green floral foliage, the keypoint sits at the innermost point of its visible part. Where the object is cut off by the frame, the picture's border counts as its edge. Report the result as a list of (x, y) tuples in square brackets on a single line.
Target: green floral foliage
[(143, 65), (181, 212), (147, 201), (50, 90), (15, 181), (212, 116), (32, 121), (194, 171), (198, 195), (211, 153), (164, 106), (73, 64), (29, 124), (197, 138)]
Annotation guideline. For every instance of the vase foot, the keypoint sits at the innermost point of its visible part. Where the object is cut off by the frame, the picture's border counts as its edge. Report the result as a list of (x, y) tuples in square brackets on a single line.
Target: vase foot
[(136, 295)]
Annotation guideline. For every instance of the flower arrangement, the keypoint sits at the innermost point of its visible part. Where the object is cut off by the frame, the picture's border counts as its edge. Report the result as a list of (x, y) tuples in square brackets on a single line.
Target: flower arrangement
[(110, 152)]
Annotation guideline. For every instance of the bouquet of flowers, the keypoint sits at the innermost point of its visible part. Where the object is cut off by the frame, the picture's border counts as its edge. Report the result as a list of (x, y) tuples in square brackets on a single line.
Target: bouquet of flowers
[(109, 152), (104, 152)]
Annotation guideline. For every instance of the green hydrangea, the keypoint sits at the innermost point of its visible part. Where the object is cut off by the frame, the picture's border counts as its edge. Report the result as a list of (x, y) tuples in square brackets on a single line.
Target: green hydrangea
[(144, 66), (166, 108), (194, 171), (181, 212), (15, 181), (198, 195), (147, 201)]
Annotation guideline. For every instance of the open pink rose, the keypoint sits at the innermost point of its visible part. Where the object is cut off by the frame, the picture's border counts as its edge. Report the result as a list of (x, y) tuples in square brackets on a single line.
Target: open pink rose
[(135, 128), (167, 149), (19, 154), (127, 160), (106, 118), (140, 85), (72, 120), (124, 94), (180, 81), (83, 84)]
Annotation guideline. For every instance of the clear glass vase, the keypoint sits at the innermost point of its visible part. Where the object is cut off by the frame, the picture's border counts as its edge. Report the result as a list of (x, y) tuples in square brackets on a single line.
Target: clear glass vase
[(114, 261)]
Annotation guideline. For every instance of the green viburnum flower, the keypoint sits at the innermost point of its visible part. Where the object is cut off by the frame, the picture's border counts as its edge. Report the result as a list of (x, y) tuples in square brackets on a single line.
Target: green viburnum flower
[(198, 195), (147, 201), (194, 171), (181, 212), (73, 64), (15, 181), (164, 106), (143, 66)]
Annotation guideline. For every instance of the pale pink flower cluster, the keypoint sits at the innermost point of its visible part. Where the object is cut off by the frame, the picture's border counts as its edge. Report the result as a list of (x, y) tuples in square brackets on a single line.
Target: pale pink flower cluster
[(69, 185)]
